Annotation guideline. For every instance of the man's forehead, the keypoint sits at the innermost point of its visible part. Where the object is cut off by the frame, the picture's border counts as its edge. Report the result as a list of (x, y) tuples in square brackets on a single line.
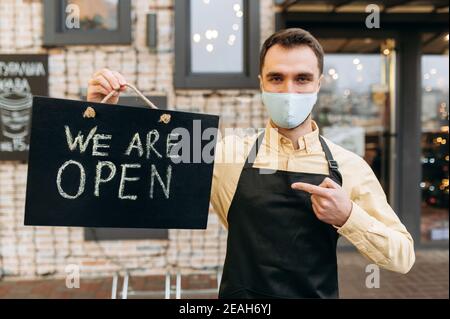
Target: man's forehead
[(295, 60)]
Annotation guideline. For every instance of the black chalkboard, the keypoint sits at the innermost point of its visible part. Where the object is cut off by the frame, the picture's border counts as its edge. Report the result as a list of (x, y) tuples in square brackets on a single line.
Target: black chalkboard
[(149, 169), (109, 234)]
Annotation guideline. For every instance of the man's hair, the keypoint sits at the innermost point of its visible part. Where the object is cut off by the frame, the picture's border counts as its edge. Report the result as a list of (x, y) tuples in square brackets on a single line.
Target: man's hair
[(291, 38)]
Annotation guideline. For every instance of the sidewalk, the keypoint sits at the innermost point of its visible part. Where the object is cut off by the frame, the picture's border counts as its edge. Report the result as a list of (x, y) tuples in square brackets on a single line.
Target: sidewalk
[(428, 279)]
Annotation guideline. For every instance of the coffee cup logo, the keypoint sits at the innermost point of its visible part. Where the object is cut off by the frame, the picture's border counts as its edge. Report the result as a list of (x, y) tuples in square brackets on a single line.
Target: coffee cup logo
[(15, 114)]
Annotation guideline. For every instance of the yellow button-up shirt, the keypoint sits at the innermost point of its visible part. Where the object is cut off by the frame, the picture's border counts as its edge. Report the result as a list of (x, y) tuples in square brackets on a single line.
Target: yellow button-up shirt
[(373, 227)]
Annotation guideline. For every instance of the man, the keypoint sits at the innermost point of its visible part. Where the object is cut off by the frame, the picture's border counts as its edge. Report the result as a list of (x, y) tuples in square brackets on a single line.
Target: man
[(284, 225)]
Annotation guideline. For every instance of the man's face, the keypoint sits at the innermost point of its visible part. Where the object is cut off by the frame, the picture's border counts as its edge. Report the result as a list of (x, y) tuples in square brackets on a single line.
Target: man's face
[(293, 70)]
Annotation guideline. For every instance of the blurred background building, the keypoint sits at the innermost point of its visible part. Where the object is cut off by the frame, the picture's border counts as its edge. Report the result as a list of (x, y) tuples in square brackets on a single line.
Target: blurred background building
[(385, 97)]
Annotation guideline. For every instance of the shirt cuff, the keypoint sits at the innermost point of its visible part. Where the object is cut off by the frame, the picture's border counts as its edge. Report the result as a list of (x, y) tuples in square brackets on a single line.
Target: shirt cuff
[(358, 222)]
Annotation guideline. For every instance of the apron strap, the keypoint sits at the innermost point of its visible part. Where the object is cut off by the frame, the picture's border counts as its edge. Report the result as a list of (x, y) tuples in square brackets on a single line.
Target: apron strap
[(332, 164)]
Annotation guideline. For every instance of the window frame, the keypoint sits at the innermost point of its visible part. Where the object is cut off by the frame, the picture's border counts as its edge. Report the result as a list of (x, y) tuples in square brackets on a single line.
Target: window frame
[(186, 79), (55, 35)]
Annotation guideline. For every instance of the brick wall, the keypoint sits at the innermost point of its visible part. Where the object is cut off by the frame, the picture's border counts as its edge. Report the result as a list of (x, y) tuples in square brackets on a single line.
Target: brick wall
[(36, 252)]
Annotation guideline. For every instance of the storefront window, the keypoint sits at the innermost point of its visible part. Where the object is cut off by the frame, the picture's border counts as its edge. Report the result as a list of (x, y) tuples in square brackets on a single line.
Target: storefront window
[(217, 35), (217, 43), (354, 106), (435, 150)]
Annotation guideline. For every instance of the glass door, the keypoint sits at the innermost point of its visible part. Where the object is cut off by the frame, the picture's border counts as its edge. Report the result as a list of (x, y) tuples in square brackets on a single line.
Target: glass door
[(435, 138), (357, 100)]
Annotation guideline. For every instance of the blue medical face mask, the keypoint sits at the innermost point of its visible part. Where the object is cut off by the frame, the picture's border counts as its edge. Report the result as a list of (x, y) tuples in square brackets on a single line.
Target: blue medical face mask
[(289, 110)]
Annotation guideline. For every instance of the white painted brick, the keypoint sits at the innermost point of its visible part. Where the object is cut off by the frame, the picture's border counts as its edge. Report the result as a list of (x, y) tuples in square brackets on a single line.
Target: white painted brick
[(27, 251)]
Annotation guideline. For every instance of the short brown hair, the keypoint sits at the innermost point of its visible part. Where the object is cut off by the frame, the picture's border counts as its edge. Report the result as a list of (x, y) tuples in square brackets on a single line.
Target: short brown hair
[(290, 38)]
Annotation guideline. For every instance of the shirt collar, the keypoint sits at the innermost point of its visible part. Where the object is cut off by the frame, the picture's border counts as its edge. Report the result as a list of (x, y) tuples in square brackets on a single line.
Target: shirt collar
[(308, 143)]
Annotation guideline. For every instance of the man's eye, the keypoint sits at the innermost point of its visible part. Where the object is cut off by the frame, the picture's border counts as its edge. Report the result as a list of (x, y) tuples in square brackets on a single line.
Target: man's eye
[(275, 79), (302, 80)]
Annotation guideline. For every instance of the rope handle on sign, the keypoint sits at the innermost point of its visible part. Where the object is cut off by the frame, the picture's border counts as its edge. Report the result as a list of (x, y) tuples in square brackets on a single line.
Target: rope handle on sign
[(142, 96), (90, 112)]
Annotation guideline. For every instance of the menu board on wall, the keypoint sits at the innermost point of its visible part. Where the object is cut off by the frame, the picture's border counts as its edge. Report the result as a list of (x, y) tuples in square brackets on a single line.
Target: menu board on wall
[(21, 77)]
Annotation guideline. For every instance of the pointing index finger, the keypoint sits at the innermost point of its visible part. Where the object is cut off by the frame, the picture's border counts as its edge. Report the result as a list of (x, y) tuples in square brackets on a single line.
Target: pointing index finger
[(311, 189)]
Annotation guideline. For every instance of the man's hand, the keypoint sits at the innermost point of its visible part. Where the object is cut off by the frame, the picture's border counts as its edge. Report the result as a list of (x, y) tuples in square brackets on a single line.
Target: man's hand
[(102, 83), (330, 202)]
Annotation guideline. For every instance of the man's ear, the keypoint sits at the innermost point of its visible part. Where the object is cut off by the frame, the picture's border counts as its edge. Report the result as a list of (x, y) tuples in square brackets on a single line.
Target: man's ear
[(261, 86), (320, 81)]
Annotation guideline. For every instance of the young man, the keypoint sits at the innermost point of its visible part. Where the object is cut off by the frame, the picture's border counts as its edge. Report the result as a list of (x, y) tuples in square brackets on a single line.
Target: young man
[(284, 226)]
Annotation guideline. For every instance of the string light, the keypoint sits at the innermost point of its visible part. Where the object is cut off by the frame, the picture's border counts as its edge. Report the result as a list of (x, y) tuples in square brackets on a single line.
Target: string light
[(197, 37), (231, 39)]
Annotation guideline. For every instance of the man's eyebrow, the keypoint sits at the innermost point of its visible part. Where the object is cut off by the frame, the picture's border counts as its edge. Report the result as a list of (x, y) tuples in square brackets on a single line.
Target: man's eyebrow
[(270, 74), (305, 74)]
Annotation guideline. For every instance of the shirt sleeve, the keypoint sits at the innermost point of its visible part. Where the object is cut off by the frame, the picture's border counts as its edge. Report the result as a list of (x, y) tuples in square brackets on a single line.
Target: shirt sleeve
[(374, 228), (216, 187), (227, 169)]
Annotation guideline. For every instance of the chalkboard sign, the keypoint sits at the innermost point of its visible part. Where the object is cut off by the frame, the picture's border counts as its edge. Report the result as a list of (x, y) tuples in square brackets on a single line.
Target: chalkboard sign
[(98, 165), (21, 76), (109, 234)]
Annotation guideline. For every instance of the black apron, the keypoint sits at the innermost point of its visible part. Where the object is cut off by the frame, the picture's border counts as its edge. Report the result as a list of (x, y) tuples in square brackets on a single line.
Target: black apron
[(277, 247)]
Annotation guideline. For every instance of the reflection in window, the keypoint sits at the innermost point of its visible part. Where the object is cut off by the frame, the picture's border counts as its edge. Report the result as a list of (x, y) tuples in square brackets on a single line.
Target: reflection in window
[(435, 151), (354, 107), (217, 36)]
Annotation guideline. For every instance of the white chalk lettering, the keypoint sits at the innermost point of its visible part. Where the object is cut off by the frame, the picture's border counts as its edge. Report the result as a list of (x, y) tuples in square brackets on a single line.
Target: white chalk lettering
[(79, 140), (136, 143), (170, 146), (97, 145), (151, 142), (166, 189), (124, 179), (82, 180), (98, 176)]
